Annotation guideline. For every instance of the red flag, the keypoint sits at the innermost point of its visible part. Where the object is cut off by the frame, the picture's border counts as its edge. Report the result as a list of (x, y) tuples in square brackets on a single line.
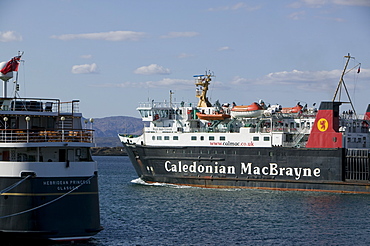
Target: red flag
[(359, 69), (11, 65)]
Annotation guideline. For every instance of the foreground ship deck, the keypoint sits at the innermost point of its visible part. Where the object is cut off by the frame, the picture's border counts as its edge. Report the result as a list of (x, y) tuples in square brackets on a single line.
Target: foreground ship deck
[(255, 146), (48, 179)]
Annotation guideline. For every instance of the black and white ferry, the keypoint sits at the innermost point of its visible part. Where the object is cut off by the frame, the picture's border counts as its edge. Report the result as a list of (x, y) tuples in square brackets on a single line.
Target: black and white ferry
[(48, 179), (254, 146)]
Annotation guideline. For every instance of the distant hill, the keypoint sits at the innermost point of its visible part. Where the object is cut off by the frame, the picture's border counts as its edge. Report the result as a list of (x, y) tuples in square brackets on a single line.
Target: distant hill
[(108, 128)]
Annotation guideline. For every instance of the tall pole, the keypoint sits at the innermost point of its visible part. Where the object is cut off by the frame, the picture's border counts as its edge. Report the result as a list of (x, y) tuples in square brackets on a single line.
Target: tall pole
[(62, 119), (5, 89), (344, 85), (28, 128), (341, 78)]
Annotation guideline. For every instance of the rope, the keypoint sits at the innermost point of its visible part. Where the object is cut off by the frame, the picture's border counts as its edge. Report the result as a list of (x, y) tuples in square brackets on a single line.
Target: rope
[(45, 204), (14, 185)]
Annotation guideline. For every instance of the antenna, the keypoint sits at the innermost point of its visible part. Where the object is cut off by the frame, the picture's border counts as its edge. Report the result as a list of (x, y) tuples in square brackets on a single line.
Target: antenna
[(171, 93)]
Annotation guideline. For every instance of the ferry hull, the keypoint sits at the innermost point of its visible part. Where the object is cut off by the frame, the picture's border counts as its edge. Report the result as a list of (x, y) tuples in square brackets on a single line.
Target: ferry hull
[(256, 168), (37, 209)]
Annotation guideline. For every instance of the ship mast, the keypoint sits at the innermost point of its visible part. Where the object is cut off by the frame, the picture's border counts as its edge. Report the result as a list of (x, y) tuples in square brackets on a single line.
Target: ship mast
[(202, 82), (341, 82)]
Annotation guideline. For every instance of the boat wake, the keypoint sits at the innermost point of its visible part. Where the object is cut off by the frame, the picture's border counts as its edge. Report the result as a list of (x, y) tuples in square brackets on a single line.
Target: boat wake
[(139, 181)]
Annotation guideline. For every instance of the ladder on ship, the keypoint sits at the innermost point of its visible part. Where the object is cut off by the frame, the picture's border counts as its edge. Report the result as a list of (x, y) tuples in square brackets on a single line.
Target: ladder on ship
[(299, 137)]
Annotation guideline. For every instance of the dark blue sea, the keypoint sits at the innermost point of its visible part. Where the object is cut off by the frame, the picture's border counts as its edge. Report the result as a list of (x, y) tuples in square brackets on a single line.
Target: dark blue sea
[(139, 214)]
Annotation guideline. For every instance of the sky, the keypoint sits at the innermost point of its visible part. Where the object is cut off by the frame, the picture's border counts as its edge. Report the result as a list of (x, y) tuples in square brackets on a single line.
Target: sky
[(114, 54)]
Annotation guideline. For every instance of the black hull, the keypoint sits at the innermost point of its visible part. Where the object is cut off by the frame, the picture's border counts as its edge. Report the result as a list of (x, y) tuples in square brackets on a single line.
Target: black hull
[(37, 209), (331, 170)]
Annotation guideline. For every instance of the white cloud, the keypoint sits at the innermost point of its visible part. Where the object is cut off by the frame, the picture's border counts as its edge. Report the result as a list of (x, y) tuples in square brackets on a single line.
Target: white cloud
[(337, 19), (180, 35), (185, 55), (236, 6), (168, 83), (297, 15), (237, 80), (85, 68), (152, 69), (86, 56), (10, 36), (224, 48), (164, 83), (365, 3), (321, 3), (303, 80), (108, 36)]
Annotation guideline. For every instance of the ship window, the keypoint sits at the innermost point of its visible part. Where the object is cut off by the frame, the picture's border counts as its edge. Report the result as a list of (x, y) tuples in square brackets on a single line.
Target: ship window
[(349, 140), (266, 138), (166, 138), (175, 137), (159, 137), (256, 138), (202, 138), (153, 137), (211, 138), (334, 139), (193, 138), (222, 138)]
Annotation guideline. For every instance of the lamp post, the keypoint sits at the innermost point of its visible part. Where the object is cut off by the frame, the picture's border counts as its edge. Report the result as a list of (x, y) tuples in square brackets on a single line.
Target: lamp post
[(92, 136), (28, 126), (5, 120), (91, 121), (62, 119)]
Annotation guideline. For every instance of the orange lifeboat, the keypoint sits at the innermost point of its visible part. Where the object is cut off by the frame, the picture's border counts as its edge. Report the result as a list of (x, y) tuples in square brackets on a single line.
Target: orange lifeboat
[(247, 111), (292, 110), (212, 116)]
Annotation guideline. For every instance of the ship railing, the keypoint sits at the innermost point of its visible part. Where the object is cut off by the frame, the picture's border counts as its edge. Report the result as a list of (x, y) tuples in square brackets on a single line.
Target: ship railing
[(352, 116), (165, 104), (27, 136), (280, 129), (357, 165), (38, 105), (70, 107)]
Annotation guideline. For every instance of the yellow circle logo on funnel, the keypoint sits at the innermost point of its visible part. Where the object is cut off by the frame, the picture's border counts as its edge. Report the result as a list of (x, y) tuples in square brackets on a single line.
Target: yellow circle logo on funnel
[(322, 125)]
